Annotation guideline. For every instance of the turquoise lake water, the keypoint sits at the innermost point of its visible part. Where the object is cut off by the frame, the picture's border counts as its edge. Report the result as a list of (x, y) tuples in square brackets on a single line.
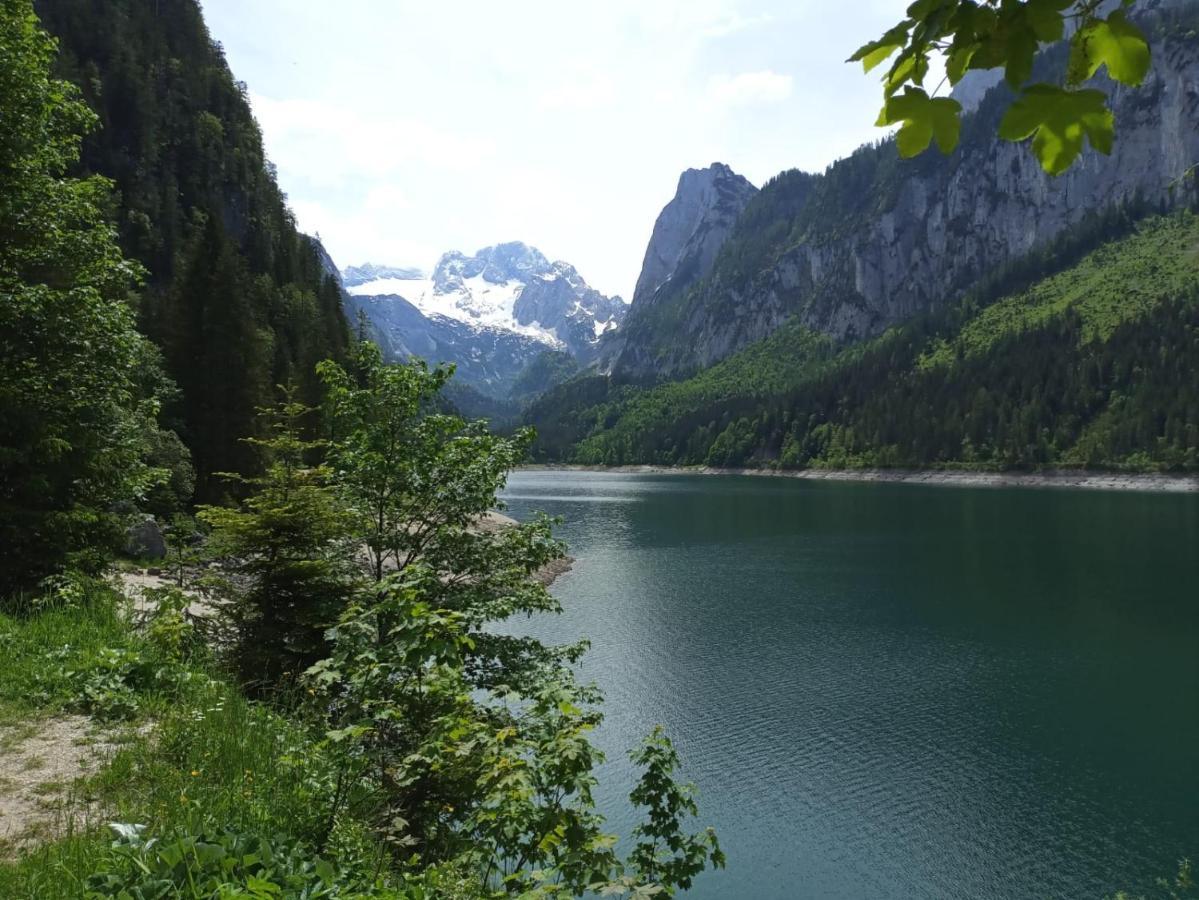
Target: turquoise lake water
[(895, 691)]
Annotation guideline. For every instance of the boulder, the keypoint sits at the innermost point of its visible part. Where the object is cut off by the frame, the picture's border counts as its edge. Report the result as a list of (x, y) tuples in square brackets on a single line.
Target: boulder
[(144, 539)]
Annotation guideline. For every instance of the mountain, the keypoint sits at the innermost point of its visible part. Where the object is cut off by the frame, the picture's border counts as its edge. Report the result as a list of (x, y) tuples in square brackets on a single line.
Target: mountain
[(1086, 355), (355, 275), (691, 229), (687, 236), (491, 314), (875, 239), (235, 296)]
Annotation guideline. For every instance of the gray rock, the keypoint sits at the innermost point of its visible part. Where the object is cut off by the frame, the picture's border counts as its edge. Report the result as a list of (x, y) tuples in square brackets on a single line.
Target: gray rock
[(144, 539), (688, 234), (691, 229)]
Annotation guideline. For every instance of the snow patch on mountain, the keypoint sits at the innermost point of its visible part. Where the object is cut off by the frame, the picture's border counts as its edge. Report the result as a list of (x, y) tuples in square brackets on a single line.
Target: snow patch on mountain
[(509, 287)]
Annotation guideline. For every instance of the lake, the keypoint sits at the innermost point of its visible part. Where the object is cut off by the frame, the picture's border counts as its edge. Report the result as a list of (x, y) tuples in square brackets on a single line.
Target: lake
[(895, 691)]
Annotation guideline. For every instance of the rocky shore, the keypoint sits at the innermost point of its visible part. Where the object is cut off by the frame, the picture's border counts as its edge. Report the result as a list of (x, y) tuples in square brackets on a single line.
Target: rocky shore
[(1058, 478)]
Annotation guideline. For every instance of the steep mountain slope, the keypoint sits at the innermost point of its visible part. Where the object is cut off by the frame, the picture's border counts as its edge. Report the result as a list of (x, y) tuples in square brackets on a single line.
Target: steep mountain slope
[(1093, 365), (491, 313), (687, 236), (236, 298), (692, 228), (489, 359), (875, 239)]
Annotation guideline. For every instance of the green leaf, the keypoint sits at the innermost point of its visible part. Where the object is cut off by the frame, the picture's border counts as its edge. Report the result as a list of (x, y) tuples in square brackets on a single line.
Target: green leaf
[(1114, 42), (1021, 49), (873, 53), (1044, 18), (325, 872), (958, 62), (924, 119), (1058, 120)]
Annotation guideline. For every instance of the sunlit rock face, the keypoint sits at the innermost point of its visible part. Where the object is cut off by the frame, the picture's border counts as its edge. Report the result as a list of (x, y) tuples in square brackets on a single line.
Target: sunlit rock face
[(691, 229)]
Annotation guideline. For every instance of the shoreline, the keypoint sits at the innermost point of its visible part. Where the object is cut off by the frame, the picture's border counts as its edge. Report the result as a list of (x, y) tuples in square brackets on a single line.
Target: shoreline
[(1052, 478)]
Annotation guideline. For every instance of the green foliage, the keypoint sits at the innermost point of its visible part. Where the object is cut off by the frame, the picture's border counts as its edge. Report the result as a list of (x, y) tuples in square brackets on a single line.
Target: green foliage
[(1112, 285), (107, 684), (614, 424), (991, 34), (171, 630), (465, 752), (415, 478), (73, 423), (55, 641), (235, 296), (1113, 42), (168, 454), (664, 854), (1057, 121), (286, 574), (204, 766), (924, 118), (459, 775), (223, 864)]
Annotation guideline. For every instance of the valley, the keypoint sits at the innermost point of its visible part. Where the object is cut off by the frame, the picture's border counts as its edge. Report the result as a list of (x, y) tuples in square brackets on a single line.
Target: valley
[(360, 540)]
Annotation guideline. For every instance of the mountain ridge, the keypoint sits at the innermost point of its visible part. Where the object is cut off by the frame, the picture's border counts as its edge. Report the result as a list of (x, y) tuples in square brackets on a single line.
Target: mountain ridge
[(875, 239), (490, 313)]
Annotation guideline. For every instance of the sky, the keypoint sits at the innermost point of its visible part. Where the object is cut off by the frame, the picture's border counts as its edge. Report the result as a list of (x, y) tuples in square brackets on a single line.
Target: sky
[(402, 130)]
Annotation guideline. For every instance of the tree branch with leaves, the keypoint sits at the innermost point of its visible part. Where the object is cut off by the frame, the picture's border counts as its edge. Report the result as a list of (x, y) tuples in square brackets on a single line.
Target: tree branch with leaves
[(980, 35)]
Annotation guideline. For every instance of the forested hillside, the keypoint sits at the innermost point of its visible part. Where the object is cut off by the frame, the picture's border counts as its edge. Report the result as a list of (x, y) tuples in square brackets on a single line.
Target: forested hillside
[(1085, 355), (235, 296)]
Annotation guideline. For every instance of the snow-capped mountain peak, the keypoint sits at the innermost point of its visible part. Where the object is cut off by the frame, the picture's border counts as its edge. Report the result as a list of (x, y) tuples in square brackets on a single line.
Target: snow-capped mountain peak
[(508, 287)]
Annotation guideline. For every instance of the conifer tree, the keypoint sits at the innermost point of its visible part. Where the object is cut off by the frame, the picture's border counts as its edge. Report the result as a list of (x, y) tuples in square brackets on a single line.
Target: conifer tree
[(73, 424), (289, 569)]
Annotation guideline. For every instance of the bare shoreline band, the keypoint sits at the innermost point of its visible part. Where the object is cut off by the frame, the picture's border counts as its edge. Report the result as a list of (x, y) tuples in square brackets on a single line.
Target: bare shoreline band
[(1057, 478)]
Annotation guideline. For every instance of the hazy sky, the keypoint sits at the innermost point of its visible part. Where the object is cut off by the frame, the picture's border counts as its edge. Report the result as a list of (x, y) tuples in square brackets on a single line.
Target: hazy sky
[(405, 129)]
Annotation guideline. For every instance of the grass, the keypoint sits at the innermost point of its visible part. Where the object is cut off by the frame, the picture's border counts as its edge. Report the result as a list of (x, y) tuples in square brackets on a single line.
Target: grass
[(41, 648), (196, 756)]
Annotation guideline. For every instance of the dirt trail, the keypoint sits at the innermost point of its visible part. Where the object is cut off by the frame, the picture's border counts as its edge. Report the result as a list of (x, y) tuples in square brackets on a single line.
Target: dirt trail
[(135, 584), (40, 764)]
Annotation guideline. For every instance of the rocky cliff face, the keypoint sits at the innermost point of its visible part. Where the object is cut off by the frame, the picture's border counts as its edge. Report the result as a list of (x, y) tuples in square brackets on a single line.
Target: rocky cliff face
[(489, 360), (576, 313), (691, 229), (687, 236), (875, 240)]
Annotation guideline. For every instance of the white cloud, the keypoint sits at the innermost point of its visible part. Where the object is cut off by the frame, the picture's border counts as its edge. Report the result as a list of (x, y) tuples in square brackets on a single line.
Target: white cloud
[(591, 92), (363, 235), (750, 88), (386, 197), (327, 143), (734, 22), (405, 128)]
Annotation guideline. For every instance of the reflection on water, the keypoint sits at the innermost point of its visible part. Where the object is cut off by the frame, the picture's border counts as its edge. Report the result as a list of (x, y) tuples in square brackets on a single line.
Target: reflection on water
[(892, 690)]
